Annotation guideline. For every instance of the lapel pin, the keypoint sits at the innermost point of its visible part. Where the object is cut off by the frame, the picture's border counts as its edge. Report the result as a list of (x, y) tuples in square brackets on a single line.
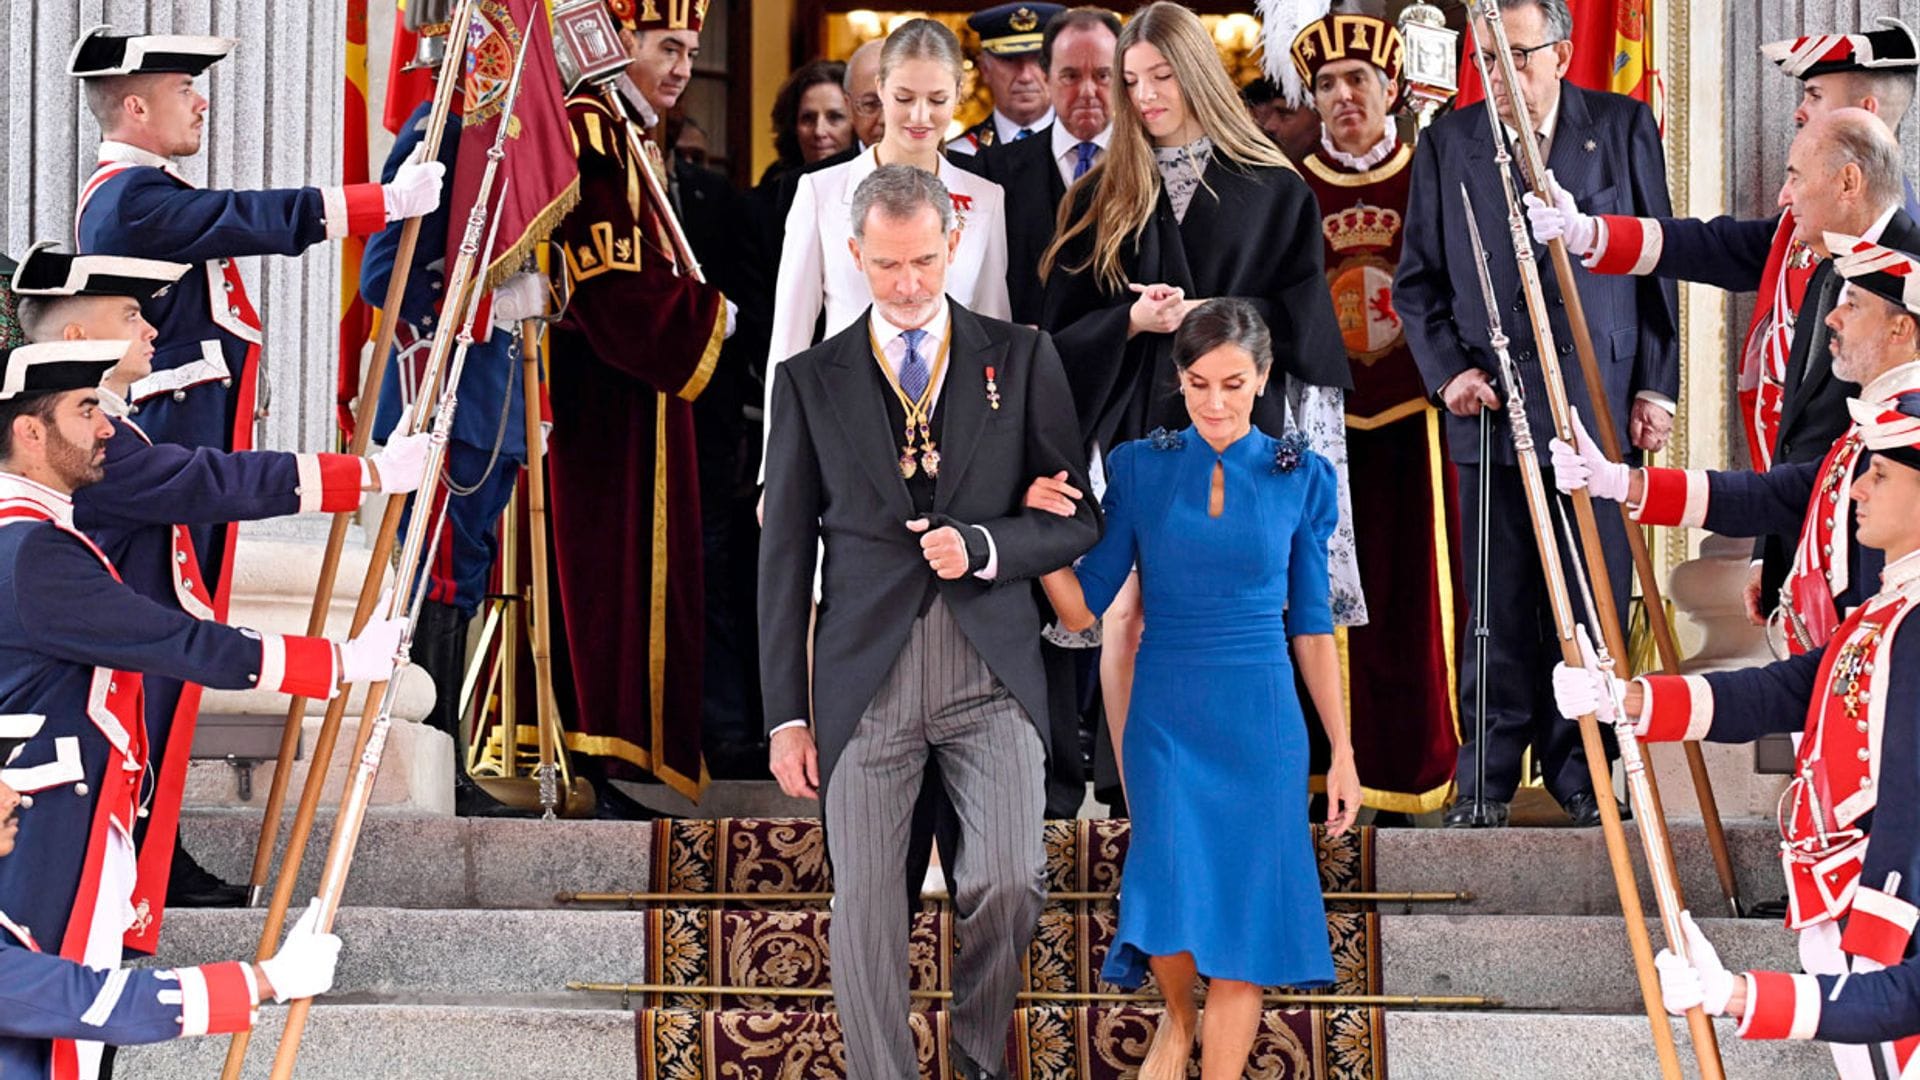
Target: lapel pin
[(1591, 146), (993, 391)]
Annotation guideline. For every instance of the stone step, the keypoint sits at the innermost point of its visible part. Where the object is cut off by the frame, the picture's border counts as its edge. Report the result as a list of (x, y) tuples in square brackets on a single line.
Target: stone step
[(1547, 963), (462, 1041), (426, 861)]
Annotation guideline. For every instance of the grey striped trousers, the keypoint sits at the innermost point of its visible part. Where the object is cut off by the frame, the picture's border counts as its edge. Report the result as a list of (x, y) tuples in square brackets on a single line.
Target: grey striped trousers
[(939, 699)]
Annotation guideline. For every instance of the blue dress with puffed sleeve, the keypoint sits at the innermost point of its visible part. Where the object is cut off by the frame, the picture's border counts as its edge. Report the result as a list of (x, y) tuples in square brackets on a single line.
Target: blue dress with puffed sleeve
[(1214, 728)]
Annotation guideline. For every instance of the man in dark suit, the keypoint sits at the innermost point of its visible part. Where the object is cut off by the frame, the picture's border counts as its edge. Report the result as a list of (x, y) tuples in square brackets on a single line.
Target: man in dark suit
[(1077, 57), (1009, 65), (1605, 149), (904, 446)]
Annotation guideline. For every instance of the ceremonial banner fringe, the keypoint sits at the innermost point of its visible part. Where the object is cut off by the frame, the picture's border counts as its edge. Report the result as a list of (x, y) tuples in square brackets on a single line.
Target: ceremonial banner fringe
[(541, 175), (780, 944)]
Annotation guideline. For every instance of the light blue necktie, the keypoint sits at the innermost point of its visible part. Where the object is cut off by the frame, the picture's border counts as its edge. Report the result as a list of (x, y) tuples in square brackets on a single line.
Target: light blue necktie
[(1084, 161), (1021, 134), (913, 370)]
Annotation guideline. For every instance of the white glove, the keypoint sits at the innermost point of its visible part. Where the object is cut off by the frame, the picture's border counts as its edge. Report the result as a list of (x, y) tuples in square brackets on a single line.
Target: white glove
[(1703, 981), (303, 968), (1586, 467), (372, 656), (733, 317), (522, 296), (415, 190), (402, 462), (1562, 220), (1586, 690)]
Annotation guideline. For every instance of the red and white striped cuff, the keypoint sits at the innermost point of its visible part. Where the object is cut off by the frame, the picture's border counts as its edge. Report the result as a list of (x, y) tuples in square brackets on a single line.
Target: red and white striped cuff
[(329, 483), (216, 999), (1781, 1006), (1676, 707), (354, 210), (302, 666), (1627, 245), (1674, 497), (1879, 927)]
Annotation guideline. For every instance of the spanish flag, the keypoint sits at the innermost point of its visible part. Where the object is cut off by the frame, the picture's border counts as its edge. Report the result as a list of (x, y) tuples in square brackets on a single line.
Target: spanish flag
[(1613, 50), (356, 318)]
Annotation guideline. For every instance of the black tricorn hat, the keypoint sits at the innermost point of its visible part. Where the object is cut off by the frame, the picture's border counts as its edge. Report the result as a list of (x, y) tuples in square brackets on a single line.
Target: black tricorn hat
[(1891, 49), (46, 272), (55, 367), (100, 52)]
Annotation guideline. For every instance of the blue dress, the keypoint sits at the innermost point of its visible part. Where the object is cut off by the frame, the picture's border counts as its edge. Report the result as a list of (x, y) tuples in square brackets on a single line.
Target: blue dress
[(1221, 862)]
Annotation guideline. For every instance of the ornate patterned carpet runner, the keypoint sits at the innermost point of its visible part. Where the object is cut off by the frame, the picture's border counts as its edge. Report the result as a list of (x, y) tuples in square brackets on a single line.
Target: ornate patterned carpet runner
[(781, 943)]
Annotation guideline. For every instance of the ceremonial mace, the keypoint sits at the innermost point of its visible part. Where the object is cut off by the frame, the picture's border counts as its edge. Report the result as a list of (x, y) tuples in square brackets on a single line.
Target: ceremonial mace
[(378, 707), (423, 540), (1609, 441), (368, 403), (1653, 839)]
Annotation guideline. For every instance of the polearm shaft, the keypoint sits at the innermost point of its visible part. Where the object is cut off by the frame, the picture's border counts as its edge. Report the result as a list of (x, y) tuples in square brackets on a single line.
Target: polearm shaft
[(367, 404), (1618, 858), (552, 769), (423, 539), (1603, 421), (459, 294)]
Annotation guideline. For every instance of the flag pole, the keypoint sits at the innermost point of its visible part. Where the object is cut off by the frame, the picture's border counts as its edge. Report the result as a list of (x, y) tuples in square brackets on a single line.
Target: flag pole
[(364, 409)]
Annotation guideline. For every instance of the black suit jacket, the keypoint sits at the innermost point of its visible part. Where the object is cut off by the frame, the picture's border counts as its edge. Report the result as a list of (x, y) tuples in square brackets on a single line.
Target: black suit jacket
[(1250, 232), (1814, 411), (1026, 169), (1606, 152), (832, 479)]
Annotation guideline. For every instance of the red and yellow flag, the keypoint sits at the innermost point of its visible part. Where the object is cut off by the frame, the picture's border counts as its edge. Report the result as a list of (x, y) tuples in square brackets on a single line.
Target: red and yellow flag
[(356, 317), (407, 86), (1613, 50)]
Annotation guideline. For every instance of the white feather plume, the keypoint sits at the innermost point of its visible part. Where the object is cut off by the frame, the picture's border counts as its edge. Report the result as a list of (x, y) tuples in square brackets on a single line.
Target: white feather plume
[(1281, 21)]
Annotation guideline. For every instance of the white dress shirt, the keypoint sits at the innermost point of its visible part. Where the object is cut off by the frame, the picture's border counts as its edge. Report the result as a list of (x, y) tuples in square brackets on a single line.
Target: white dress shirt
[(1066, 149), (817, 271), (1005, 130)]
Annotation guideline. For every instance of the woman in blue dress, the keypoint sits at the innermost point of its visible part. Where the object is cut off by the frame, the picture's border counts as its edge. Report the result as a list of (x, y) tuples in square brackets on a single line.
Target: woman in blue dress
[(1229, 529)]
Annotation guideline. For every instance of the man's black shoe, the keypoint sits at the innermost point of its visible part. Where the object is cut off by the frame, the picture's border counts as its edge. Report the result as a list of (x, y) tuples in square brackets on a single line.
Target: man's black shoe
[(1584, 810), (965, 1068), (1471, 813), (612, 804), (189, 885)]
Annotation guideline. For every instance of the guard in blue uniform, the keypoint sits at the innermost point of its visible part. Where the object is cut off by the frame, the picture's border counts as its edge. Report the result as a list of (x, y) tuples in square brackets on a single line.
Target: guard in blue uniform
[(488, 444), (1849, 823), (49, 1005), (74, 642), (207, 361), (140, 511), (1875, 345)]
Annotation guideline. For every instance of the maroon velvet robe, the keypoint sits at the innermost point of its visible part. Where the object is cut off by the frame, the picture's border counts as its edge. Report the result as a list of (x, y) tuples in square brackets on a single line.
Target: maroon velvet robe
[(637, 344), (1401, 664)]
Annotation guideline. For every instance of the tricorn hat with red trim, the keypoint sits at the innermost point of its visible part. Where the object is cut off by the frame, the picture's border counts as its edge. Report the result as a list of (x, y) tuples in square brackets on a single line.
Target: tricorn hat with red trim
[(1890, 428), (640, 15), (1883, 271), (1889, 49)]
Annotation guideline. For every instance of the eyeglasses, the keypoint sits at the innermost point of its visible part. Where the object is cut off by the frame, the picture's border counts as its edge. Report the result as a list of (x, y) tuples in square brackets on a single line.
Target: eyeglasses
[(867, 104), (1520, 56)]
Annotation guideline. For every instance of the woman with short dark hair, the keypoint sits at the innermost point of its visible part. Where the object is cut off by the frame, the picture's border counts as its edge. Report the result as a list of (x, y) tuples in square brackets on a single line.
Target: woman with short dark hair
[(1228, 526)]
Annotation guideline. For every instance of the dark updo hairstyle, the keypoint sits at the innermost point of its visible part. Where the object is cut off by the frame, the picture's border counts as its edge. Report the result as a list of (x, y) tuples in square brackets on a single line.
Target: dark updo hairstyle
[(786, 106), (1227, 320)]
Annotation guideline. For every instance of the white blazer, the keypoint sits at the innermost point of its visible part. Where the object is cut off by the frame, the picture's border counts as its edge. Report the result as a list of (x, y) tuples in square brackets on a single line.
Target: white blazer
[(817, 270)]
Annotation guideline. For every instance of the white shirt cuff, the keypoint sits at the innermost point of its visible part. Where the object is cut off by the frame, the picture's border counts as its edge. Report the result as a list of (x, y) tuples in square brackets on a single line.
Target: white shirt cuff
[(791, 723), (1655, 397), (992, 569)]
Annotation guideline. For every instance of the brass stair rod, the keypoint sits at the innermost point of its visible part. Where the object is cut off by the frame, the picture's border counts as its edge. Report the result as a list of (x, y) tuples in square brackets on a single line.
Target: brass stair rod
[(1387, 1000), (1064, 897)]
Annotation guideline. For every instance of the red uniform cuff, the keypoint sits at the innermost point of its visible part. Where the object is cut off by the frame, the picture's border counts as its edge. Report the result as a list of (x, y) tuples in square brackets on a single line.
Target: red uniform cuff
[(1781, 1006), (215, 999), (354, 210), (1676, 707), (329, 483), (302, 666), (1629, 245), (1878, 927), (1674, 497)]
